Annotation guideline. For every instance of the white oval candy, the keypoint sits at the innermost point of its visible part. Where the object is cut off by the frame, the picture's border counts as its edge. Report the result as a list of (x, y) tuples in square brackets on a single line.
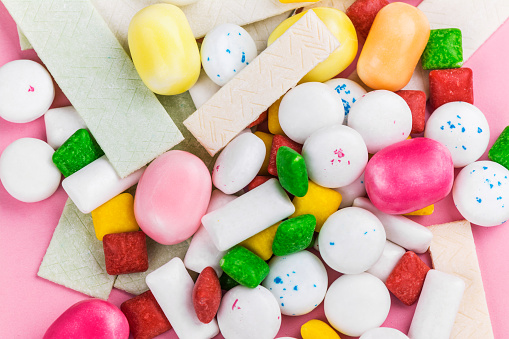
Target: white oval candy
[(348, 90), (462, 128), (225, 51), (298, 282), (357, 303), (335, 156), (481, 193), (351, 240), (351, 192), (26, 91), (307, 108), (382, 118), (249, 313), (27, 171), (238, 163), (61, 123), (383, 333)]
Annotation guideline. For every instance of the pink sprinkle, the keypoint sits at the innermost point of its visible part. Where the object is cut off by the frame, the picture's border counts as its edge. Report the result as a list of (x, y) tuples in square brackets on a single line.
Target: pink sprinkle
[(217, 168), (31, 89), (339, 153), (332, 161), (235, 303), (278, 318), (348, 162), (394, 121)]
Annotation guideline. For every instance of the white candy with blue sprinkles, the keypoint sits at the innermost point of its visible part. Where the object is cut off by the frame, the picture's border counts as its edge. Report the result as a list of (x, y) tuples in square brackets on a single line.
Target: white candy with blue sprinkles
[(349, 92)]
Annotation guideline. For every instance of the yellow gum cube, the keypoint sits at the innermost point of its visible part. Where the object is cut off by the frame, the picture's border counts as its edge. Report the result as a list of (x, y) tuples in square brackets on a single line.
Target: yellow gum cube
[(273, 118), (261, 243), (267, 140), (317, 329), (428, 210), (115, 216)]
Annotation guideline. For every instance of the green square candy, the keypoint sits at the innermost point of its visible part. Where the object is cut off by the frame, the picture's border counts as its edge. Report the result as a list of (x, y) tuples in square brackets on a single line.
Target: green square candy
[(499, 152), (444, 49)]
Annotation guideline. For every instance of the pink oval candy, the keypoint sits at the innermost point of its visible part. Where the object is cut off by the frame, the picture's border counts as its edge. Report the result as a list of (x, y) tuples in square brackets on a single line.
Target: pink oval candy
[(172, 196), (409, 175)]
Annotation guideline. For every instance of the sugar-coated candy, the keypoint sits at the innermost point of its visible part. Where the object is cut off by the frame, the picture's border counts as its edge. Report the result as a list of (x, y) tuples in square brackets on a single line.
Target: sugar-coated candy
[(172, 196), (115, 216), (277, 142), (292, 171), (448, 85), (261, 119), (317, 329), (294, 234), (26, 170), (206, 295), (499, 152), (257, 181), (356, 303), (390, 257), (227, 282), (393, 47), (26, 91), (416, 101), (481, 192), (351, 240), (363, 13), (307, 108), (444, 49), (91, 318), (351, 192), (349, 92), (273, 118), (60, 124), (249, 313), (163, 49), (244, 266), (225, 51), (428, 210), (125, 252), (298, 282), (203, 89), (383, 333), (261, 243), (267, 141)]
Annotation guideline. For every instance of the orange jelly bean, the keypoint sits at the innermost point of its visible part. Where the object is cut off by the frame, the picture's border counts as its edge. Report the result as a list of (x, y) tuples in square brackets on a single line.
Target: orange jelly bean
[(393, 47)]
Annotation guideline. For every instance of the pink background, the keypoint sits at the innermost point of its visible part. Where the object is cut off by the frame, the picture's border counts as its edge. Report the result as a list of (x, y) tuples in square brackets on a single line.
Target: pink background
[(29, 304)]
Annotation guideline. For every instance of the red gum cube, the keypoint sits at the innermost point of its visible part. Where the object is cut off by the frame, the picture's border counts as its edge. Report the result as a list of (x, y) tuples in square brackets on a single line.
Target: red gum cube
[(416, 100), (407, 278), (145, 317), (260, 119), (257, 181), (448, 85), (125, 252), (278, 141), (363, 13), (207, 295)]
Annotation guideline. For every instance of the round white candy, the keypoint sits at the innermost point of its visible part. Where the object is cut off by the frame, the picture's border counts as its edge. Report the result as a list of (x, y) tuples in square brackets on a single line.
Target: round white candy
[(307, 108), (349, 91), (249, 313), (382, 118), (335, 156), (462, 128), (225, 51), (238, 163), (351, 192), (357, 303), (351, 240), (298, 282), (481, 193), (26, 91), (27, 171), (383, 333)]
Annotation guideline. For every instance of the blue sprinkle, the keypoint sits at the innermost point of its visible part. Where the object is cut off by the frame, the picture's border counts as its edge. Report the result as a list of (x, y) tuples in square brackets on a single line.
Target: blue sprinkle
[(499, 198), (347, 92), (281, 297), (479, 200), (343, 86), (317, 304), (295, 288), (247, 63), (284, 289), (491, 186), (346, 105), (228, 34), (218, 76), (499, 183), (243, 57), (228, 51), (442, 128), (270, 288), (293, 271), (458, 117), (354, 100), (484, 168), (240, 34), (464, 147), (479, 130), (365, 233), (235, 70), (282, 304), (208, 59), (278, 280), (463, 129), (331, 243), (287, 275), (362, 181), (314, 285)]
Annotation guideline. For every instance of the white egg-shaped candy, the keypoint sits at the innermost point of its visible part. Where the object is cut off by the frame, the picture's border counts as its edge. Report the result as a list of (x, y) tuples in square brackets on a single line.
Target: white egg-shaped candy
[(354, 304), (351, 240), (348, 90), (61, 123), (307, 108), (351, 192), (335, 156), (462, 128), (238, 163), (383, 333), (298, 282), (27, 171), (225, 51), (382, 118), (249, 313), (481, 193)]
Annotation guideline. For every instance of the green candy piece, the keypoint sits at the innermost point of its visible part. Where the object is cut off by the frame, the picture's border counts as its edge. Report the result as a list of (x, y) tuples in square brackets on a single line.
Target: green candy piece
[(77, 152), (244, 266), (294, 235), (444, 49), (292, 171), (499, 152), (227, 282)]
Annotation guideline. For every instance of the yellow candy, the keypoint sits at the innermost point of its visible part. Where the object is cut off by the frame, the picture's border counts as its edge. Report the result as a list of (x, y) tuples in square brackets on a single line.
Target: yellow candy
[(115, 216), (428, 210), (267, 140), (318, 201), (342, 28), (261, 243), (273, 119), (317, 329), (163, 49)]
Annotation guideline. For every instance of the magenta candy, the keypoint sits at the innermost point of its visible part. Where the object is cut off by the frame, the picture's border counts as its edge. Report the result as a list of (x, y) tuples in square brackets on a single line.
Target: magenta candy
[(90, 319), (409, 175), (172, 197)]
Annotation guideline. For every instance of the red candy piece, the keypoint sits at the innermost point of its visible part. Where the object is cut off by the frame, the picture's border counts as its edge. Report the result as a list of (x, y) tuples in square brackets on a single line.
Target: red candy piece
[(416, 100), (407, 278), (363, 13), (125, 252), (448, 85), (145, 316), (278, 141), (257, 181), (207, 295), (260, 119)]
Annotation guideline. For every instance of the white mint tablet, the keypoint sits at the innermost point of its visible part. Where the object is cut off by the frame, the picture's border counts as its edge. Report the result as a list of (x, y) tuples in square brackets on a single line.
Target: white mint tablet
[(335, 156), (26, 91), (348, 90), (61, 123), (298, 282), (351, 192), (351, 240), (481, 193), (382, 118), (307, 108), (27, 171), (249, 313), (354, 304), (383, 333)]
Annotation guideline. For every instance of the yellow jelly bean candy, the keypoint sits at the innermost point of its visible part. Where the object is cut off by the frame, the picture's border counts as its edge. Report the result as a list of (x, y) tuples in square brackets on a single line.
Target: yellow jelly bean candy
[(318, 201), (163, 49), (340, 25), (428, 210), (261, 243), (267, 140), (317, 329), (115, 216), (273, 118)]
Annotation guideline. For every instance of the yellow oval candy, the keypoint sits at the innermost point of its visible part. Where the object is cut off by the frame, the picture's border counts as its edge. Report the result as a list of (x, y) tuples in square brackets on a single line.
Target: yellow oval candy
[(163, 49), (315, 329), (342, 28)]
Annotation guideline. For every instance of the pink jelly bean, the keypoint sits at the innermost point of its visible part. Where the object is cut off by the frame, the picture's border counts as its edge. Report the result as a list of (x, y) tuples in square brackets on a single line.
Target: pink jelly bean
[(409, 175)]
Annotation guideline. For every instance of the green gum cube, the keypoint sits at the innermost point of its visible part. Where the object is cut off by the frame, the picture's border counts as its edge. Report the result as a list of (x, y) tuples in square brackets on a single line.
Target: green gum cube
[(444, 49), (227, 282), (499, 152), (244, 266), (292, 171), (294, 235)]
